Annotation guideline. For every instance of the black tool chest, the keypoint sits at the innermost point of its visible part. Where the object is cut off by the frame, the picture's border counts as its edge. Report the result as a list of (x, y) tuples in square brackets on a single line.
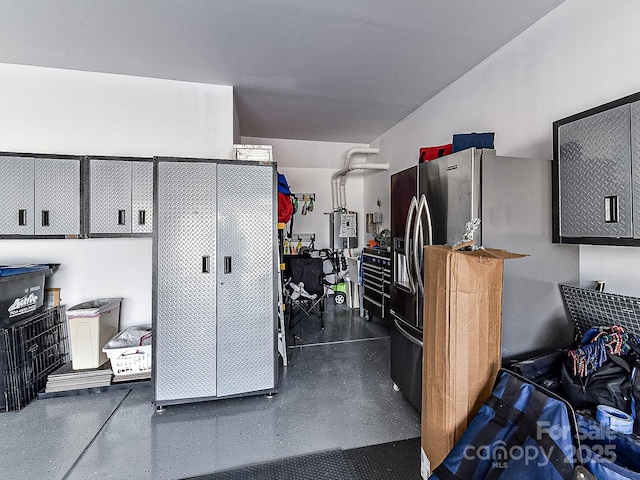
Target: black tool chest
[(376, 281)]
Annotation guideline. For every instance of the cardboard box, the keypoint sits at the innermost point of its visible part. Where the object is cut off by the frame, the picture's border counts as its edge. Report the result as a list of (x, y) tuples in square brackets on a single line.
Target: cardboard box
[(51, 297), (462, 342)]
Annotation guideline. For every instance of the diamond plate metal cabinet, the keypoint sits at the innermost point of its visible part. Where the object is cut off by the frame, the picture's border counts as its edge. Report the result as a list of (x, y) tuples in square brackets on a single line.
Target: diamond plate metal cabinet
[(635, 166), (110, 196), (57, 196), (594, 175), (16, 185), (142, 197), (245, 266), (184, 352), (121, 197)]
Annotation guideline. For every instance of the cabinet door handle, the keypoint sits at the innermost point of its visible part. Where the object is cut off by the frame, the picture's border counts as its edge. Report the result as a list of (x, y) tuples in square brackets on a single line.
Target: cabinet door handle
[(206, 264), (142, 217), (22, 217), (611, 209), (122, 217), (45, 218), (227, 264)]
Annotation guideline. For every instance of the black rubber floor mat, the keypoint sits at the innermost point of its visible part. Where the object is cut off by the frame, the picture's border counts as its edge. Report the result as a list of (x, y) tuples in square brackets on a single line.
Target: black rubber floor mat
[(332, 465), (388, 461)]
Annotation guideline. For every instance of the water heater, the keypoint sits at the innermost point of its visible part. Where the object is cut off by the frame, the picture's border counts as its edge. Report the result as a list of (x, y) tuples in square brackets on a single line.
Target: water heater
[(343, 230)]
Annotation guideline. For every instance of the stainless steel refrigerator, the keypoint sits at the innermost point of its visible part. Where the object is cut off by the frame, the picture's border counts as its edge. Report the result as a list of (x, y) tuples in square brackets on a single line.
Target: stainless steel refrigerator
[(431, 204)]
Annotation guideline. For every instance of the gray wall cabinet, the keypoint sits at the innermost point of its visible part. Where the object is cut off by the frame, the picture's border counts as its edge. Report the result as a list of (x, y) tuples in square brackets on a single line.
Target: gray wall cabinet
[(597, 175), (214, 299), (120, 197), (41, 196)]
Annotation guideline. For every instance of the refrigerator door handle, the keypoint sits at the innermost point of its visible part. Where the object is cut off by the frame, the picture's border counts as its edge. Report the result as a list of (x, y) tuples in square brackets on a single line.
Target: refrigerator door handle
[(413, 206), (407, 335), (418, 253)]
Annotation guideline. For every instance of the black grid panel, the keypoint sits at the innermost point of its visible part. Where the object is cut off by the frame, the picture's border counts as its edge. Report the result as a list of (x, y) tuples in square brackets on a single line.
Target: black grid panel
[(589, 308), (29, 351)]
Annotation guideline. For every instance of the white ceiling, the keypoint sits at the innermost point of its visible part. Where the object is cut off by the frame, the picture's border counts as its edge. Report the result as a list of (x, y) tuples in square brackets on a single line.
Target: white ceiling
[(332, 70)]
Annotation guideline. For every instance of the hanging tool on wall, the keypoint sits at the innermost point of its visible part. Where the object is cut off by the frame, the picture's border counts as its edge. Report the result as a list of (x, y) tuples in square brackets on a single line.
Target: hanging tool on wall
[(305, 205), (294, 201)]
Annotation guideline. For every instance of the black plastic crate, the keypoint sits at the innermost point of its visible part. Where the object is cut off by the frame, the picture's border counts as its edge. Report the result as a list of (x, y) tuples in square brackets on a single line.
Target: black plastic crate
[(29, 351)]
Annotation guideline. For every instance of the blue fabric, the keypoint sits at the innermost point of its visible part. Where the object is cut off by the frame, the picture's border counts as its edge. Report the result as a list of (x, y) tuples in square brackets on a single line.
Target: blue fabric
[(590, 335), (534, 464), (608, 455), (462, 141), (283, 186)]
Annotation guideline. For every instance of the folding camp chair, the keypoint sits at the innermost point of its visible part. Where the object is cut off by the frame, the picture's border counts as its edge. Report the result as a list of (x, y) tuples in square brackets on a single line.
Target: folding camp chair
[(305, 289)]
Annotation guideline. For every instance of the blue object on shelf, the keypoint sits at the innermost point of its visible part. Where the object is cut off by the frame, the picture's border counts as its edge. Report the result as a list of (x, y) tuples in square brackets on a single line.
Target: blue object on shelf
[(462, 141), (9, 270)]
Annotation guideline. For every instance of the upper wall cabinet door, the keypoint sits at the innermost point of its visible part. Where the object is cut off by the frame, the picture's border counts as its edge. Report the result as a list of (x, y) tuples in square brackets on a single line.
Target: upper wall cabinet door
[(42, 196), (120, 197), (16, 183), (142, 197), (57, 197), (596, 191), (594, 167)]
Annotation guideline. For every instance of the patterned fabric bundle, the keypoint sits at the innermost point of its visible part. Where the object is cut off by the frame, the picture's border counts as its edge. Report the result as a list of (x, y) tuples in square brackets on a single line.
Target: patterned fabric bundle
[(596, 344)]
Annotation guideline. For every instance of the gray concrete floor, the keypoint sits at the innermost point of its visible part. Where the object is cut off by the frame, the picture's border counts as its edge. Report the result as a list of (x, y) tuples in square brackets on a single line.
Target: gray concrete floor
[(335, 393)]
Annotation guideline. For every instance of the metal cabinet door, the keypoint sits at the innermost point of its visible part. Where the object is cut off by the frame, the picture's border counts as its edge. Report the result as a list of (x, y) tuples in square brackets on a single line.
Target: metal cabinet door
[(635, 167), (16, 185), (110, 196), (595, 170), (142, 197), (246, 279), (185, 275), (57, 196)]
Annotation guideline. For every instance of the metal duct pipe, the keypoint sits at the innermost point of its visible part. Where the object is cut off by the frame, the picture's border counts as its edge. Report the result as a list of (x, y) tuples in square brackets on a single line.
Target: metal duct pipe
[(338, 195), (342, 196)]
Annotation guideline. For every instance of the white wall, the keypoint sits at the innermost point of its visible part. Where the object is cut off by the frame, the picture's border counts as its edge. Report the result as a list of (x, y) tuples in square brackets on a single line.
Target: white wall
[(581, 55), (236, 123), (308, 166), (61, 111)]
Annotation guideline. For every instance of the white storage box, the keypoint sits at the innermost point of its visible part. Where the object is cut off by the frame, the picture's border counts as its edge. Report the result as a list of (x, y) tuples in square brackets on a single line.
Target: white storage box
[(130, 351), (91, 325), (258, 153)]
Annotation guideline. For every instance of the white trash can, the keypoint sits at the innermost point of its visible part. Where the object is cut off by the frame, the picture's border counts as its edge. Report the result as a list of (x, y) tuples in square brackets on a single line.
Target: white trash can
[(91, 326)]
